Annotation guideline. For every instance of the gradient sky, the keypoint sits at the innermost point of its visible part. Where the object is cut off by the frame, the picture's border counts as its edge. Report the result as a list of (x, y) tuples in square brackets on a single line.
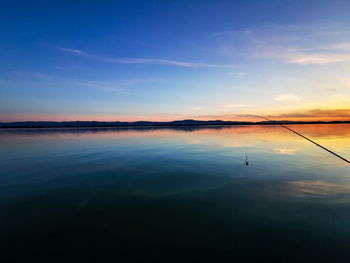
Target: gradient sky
[(166, 60)]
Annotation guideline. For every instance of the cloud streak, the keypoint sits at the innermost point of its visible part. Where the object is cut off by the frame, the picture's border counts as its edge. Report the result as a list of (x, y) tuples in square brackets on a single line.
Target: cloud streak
[(196, 108), (118, 85), (233, 106), (300, 45), (315, 113), (71, 50), (341, 114), (154, 61), (237, 74), (288, 98)]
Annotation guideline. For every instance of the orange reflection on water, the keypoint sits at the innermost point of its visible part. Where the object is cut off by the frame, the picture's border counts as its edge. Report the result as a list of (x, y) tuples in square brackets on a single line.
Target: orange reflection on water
[(334, 136)]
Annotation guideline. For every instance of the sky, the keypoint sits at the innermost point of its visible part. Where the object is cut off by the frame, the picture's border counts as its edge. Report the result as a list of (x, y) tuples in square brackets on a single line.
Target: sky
[(172, 60)]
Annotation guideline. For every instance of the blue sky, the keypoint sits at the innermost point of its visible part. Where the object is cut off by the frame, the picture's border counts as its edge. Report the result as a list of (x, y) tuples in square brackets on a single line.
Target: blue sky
[(164, 60)]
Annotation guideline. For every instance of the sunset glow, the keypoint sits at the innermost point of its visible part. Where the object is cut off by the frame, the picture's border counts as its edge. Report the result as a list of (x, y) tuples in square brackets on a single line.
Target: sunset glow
[(137, 60)]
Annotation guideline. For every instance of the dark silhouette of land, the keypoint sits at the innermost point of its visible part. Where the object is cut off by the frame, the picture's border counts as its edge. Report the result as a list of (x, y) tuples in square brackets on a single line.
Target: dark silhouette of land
[(78, 124)]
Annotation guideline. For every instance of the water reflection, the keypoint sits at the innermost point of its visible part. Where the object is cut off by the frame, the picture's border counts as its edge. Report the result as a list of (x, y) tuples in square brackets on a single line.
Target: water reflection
[(184, 190)]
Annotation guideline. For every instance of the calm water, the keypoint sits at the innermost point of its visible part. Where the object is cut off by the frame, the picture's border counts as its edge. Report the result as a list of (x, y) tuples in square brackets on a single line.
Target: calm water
[(175, 194)]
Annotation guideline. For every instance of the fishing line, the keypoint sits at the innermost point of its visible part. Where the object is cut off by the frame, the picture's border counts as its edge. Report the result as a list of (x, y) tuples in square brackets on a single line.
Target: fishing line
[(306, 138)]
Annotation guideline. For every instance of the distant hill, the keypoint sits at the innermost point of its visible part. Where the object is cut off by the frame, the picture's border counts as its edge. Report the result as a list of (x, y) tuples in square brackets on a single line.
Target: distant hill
[(53, 124)]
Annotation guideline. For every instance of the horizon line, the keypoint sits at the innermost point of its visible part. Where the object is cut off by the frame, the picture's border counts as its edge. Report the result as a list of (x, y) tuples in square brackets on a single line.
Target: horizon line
[(180, 120)]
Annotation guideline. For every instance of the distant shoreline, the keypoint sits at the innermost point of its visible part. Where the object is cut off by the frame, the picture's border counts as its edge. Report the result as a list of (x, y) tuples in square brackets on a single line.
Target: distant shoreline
[(184, 123)]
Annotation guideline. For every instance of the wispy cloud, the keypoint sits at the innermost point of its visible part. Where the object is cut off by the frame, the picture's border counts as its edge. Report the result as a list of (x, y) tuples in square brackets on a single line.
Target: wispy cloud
[(118, 85), (342, 46), (233, 106), (301, 45), (313, 113), (237, 74), (156, 61), (287, 98), (298, 115), (317, 55), (315, 58), (71, 50), (196, 108), (227, 116), (340, 98), (102, 85)]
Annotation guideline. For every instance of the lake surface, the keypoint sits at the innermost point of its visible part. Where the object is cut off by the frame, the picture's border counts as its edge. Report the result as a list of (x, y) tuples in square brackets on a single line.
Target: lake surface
[(181, 195)]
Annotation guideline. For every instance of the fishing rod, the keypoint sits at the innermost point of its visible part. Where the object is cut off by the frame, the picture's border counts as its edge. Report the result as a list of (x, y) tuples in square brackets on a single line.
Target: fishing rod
[(306, 138)]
